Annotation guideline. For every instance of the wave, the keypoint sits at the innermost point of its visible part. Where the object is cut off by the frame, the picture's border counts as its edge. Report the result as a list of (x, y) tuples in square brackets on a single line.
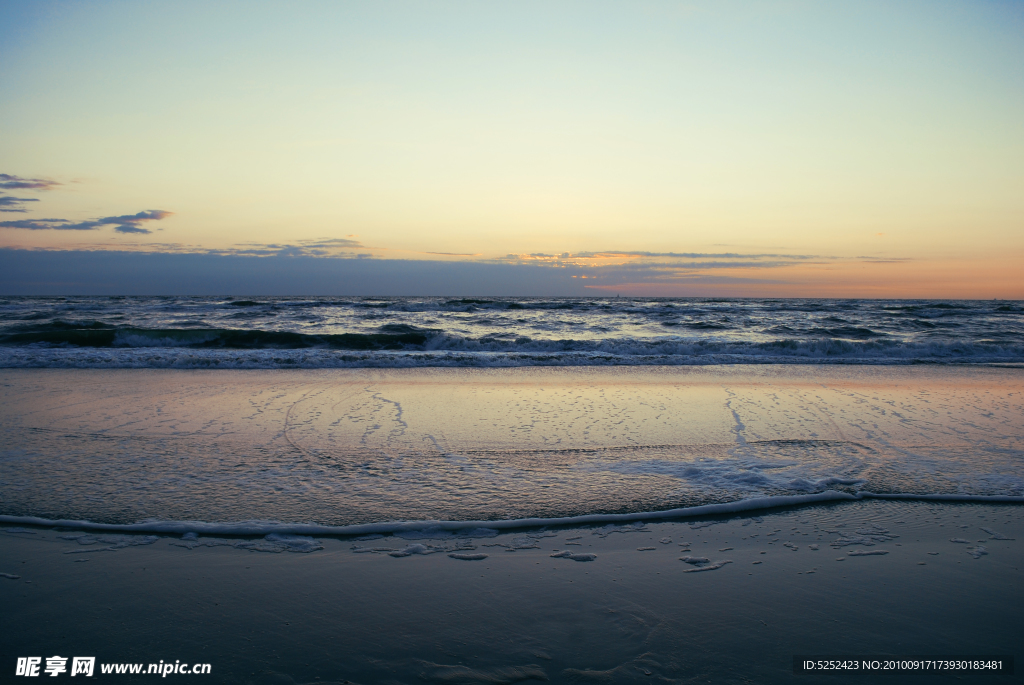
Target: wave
[(281, 332), (484, 528), (401, 345), (392, 336)]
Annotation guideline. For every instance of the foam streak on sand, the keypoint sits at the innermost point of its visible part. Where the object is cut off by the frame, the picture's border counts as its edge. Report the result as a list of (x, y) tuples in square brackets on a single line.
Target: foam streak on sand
[(449, 528)]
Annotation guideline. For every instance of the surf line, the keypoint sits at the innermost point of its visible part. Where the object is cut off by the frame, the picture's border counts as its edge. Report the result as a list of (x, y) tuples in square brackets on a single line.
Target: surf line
[(268, 527)]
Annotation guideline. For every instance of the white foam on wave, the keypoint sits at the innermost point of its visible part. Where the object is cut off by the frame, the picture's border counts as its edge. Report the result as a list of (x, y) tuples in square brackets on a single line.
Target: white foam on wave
[(447, 350), (439, 528), (747, 475)]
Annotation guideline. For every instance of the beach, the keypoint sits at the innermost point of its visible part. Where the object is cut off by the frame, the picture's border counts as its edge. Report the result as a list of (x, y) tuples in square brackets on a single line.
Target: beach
[(476, 343), (410, 525)]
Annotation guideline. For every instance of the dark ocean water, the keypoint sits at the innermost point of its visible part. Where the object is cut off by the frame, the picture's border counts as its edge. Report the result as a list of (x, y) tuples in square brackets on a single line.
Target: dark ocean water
[(288, 332)]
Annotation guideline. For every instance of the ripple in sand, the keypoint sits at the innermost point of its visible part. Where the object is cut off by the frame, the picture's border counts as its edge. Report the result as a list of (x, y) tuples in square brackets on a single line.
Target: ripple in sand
[(866, 537), (866, 552), (457, 673), (468, 557), (646, 549)]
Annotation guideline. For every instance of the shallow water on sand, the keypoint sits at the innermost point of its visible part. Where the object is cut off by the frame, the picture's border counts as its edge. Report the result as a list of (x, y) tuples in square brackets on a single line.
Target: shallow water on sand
[(344, 447)]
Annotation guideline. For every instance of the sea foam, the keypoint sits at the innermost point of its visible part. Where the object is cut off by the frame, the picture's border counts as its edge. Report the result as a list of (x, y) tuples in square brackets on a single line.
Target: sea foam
[(449, 529)]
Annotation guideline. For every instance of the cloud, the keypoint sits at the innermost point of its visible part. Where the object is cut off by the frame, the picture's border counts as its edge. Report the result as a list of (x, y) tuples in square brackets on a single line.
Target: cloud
[(127, 223), (331, 243), (130, 223), (9, 203), (35, 224), (884, 260), (11, 182)]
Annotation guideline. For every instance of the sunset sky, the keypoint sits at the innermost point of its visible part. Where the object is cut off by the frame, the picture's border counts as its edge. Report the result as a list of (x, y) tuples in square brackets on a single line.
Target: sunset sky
[(866, 149)]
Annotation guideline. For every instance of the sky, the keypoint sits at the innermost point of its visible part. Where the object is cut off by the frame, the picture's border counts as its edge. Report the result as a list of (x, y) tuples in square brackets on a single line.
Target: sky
[(839, 149)]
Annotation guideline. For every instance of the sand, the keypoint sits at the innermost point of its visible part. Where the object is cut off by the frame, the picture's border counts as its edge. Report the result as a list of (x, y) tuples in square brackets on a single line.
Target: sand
[(638, 611)]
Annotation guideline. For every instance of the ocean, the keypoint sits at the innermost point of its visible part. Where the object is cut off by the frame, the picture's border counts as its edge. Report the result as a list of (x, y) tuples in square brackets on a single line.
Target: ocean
[(313, 333)]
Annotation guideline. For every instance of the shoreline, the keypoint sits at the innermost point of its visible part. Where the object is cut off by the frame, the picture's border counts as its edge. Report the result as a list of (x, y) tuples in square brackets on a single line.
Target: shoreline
[(258, 528)]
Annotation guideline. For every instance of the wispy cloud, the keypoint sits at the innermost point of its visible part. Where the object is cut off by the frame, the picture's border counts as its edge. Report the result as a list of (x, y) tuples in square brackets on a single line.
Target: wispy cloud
[(320, 247), (36, 224), (12, 182), (126, 223), (9, 203), (884, 260)]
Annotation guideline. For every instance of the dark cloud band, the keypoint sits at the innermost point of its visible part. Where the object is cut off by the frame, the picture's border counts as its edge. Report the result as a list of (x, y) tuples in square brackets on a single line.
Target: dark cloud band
[(127, 223), (12, 182), (9, 203)]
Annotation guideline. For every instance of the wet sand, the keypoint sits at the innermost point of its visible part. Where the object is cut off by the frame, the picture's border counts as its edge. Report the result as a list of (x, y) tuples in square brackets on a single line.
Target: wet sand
[(799, 581)]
